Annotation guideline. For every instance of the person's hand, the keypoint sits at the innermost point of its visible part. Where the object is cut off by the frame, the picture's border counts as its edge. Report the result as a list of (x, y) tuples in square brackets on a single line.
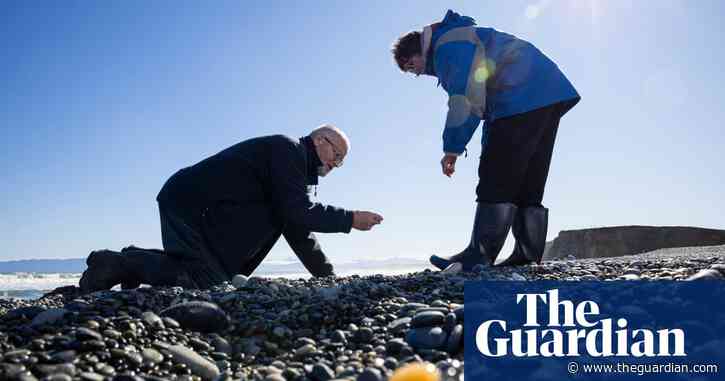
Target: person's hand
[(448, 164), (365, 220)]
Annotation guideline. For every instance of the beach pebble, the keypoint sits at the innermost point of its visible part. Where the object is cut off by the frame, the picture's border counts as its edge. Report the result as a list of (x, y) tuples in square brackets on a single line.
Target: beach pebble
[(197, 364), (427, 319), (239, 281), (198, 316), (426, 338)]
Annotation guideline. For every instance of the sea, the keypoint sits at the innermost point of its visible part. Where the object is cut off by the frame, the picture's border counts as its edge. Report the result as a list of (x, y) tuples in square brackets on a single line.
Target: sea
[(32, 285)]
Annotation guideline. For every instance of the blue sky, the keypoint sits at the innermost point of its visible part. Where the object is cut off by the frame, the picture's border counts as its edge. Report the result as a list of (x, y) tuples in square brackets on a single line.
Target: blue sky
[(102, 101)]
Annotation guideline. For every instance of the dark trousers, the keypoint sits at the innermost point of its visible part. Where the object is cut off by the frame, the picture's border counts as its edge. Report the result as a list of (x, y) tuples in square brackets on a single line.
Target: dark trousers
[(188, 245), (515, 161)]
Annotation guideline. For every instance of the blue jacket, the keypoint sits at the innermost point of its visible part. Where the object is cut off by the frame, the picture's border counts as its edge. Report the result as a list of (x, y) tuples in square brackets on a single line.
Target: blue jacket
[(488, 75)]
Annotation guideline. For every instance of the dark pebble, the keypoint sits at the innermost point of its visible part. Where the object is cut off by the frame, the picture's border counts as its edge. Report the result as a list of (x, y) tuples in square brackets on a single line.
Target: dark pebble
[(427, 319), (455, 340), (426, 338), (198, 316), (321, 372), (370, 374)]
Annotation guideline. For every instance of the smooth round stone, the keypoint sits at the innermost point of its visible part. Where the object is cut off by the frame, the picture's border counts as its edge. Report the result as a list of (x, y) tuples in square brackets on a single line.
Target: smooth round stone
[(426, 338), (170, 323), (64, 356), (321, 372), (364, 335), (370, 374), (220, 344), (152, 320), (91, 376), (239, 281), (394, 346), (112, 333), (152, 356), (410, 308), (399, 325), (305, 350), (198, 316), (199, 345), (17, 353), (427, 319), (197, 364), (83, 334), (390, 363), (455, 340), (338, 336)]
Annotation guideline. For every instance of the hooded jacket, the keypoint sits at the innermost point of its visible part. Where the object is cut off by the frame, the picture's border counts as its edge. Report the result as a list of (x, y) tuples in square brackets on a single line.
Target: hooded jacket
[(488, 75)]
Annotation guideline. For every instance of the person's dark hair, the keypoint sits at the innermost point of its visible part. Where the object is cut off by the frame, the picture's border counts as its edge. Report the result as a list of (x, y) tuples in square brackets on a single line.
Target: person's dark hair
[(407, 46)]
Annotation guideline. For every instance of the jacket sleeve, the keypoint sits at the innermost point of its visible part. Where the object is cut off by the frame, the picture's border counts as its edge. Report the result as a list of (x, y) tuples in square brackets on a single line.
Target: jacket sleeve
[(289, 194), (304, 244), (453, 65)]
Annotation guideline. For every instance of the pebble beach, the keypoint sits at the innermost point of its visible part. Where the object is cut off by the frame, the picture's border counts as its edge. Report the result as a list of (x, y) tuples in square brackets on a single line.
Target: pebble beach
[(275, 329)]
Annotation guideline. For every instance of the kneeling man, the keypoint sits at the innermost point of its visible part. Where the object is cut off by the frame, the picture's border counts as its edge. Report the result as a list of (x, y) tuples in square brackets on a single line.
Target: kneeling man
[(221, 216)]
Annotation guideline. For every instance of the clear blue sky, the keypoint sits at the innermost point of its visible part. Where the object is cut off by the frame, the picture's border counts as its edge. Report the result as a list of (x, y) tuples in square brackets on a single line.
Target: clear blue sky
[(102, 100)]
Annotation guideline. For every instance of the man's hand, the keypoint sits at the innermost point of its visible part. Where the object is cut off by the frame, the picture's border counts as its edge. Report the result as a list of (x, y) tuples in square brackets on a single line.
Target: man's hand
[(365, 220), (448, 164)]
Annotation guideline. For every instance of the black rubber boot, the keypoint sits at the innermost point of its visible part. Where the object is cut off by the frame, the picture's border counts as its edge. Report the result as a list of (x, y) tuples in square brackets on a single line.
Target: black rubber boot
[(104, 271), (132, 267), (490, 228), (529, 228)]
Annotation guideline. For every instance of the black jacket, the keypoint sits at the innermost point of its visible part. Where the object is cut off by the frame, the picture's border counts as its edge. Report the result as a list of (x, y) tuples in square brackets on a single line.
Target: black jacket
[(272, 172)]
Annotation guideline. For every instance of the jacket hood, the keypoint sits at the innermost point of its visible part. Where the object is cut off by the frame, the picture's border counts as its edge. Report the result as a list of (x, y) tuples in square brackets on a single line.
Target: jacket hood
[(454, 20), (450, 20)]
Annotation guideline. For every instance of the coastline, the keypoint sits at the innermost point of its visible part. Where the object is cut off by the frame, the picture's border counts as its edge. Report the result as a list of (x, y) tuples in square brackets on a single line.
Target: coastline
[(284, 329)]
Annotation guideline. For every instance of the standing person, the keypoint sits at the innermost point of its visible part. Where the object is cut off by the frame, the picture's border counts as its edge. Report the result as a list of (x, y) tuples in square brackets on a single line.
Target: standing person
[(221, 216), (520, 94)]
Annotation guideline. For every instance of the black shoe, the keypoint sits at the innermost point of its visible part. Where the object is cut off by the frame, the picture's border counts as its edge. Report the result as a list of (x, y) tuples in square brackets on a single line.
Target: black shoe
[(105, 270), (529, 228), (490, 228)]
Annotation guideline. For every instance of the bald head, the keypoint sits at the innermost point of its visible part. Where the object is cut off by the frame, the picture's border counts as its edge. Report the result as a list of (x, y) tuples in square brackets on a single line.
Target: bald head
[(336, 135), (332, 146)]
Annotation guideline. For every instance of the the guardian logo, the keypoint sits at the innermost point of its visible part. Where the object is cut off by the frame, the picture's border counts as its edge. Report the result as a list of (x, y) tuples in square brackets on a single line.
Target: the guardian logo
[(598, 338)]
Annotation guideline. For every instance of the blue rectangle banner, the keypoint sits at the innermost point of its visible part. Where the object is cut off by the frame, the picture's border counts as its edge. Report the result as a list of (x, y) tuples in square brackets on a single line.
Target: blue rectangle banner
[(620, 330)]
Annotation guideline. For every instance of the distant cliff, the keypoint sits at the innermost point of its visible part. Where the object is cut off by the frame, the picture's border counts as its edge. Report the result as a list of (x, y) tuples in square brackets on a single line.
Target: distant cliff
[(627, 240)]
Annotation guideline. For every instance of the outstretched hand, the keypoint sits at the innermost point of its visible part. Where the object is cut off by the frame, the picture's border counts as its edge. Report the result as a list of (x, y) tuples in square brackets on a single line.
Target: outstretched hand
[(448, 164), (362, 220)]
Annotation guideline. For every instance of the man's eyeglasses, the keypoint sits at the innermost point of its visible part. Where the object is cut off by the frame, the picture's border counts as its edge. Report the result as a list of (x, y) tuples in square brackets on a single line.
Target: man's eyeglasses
[(338, 155)]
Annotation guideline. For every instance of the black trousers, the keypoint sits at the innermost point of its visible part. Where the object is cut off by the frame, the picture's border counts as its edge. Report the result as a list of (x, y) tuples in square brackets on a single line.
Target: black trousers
[(515, 161), (192, 249)]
